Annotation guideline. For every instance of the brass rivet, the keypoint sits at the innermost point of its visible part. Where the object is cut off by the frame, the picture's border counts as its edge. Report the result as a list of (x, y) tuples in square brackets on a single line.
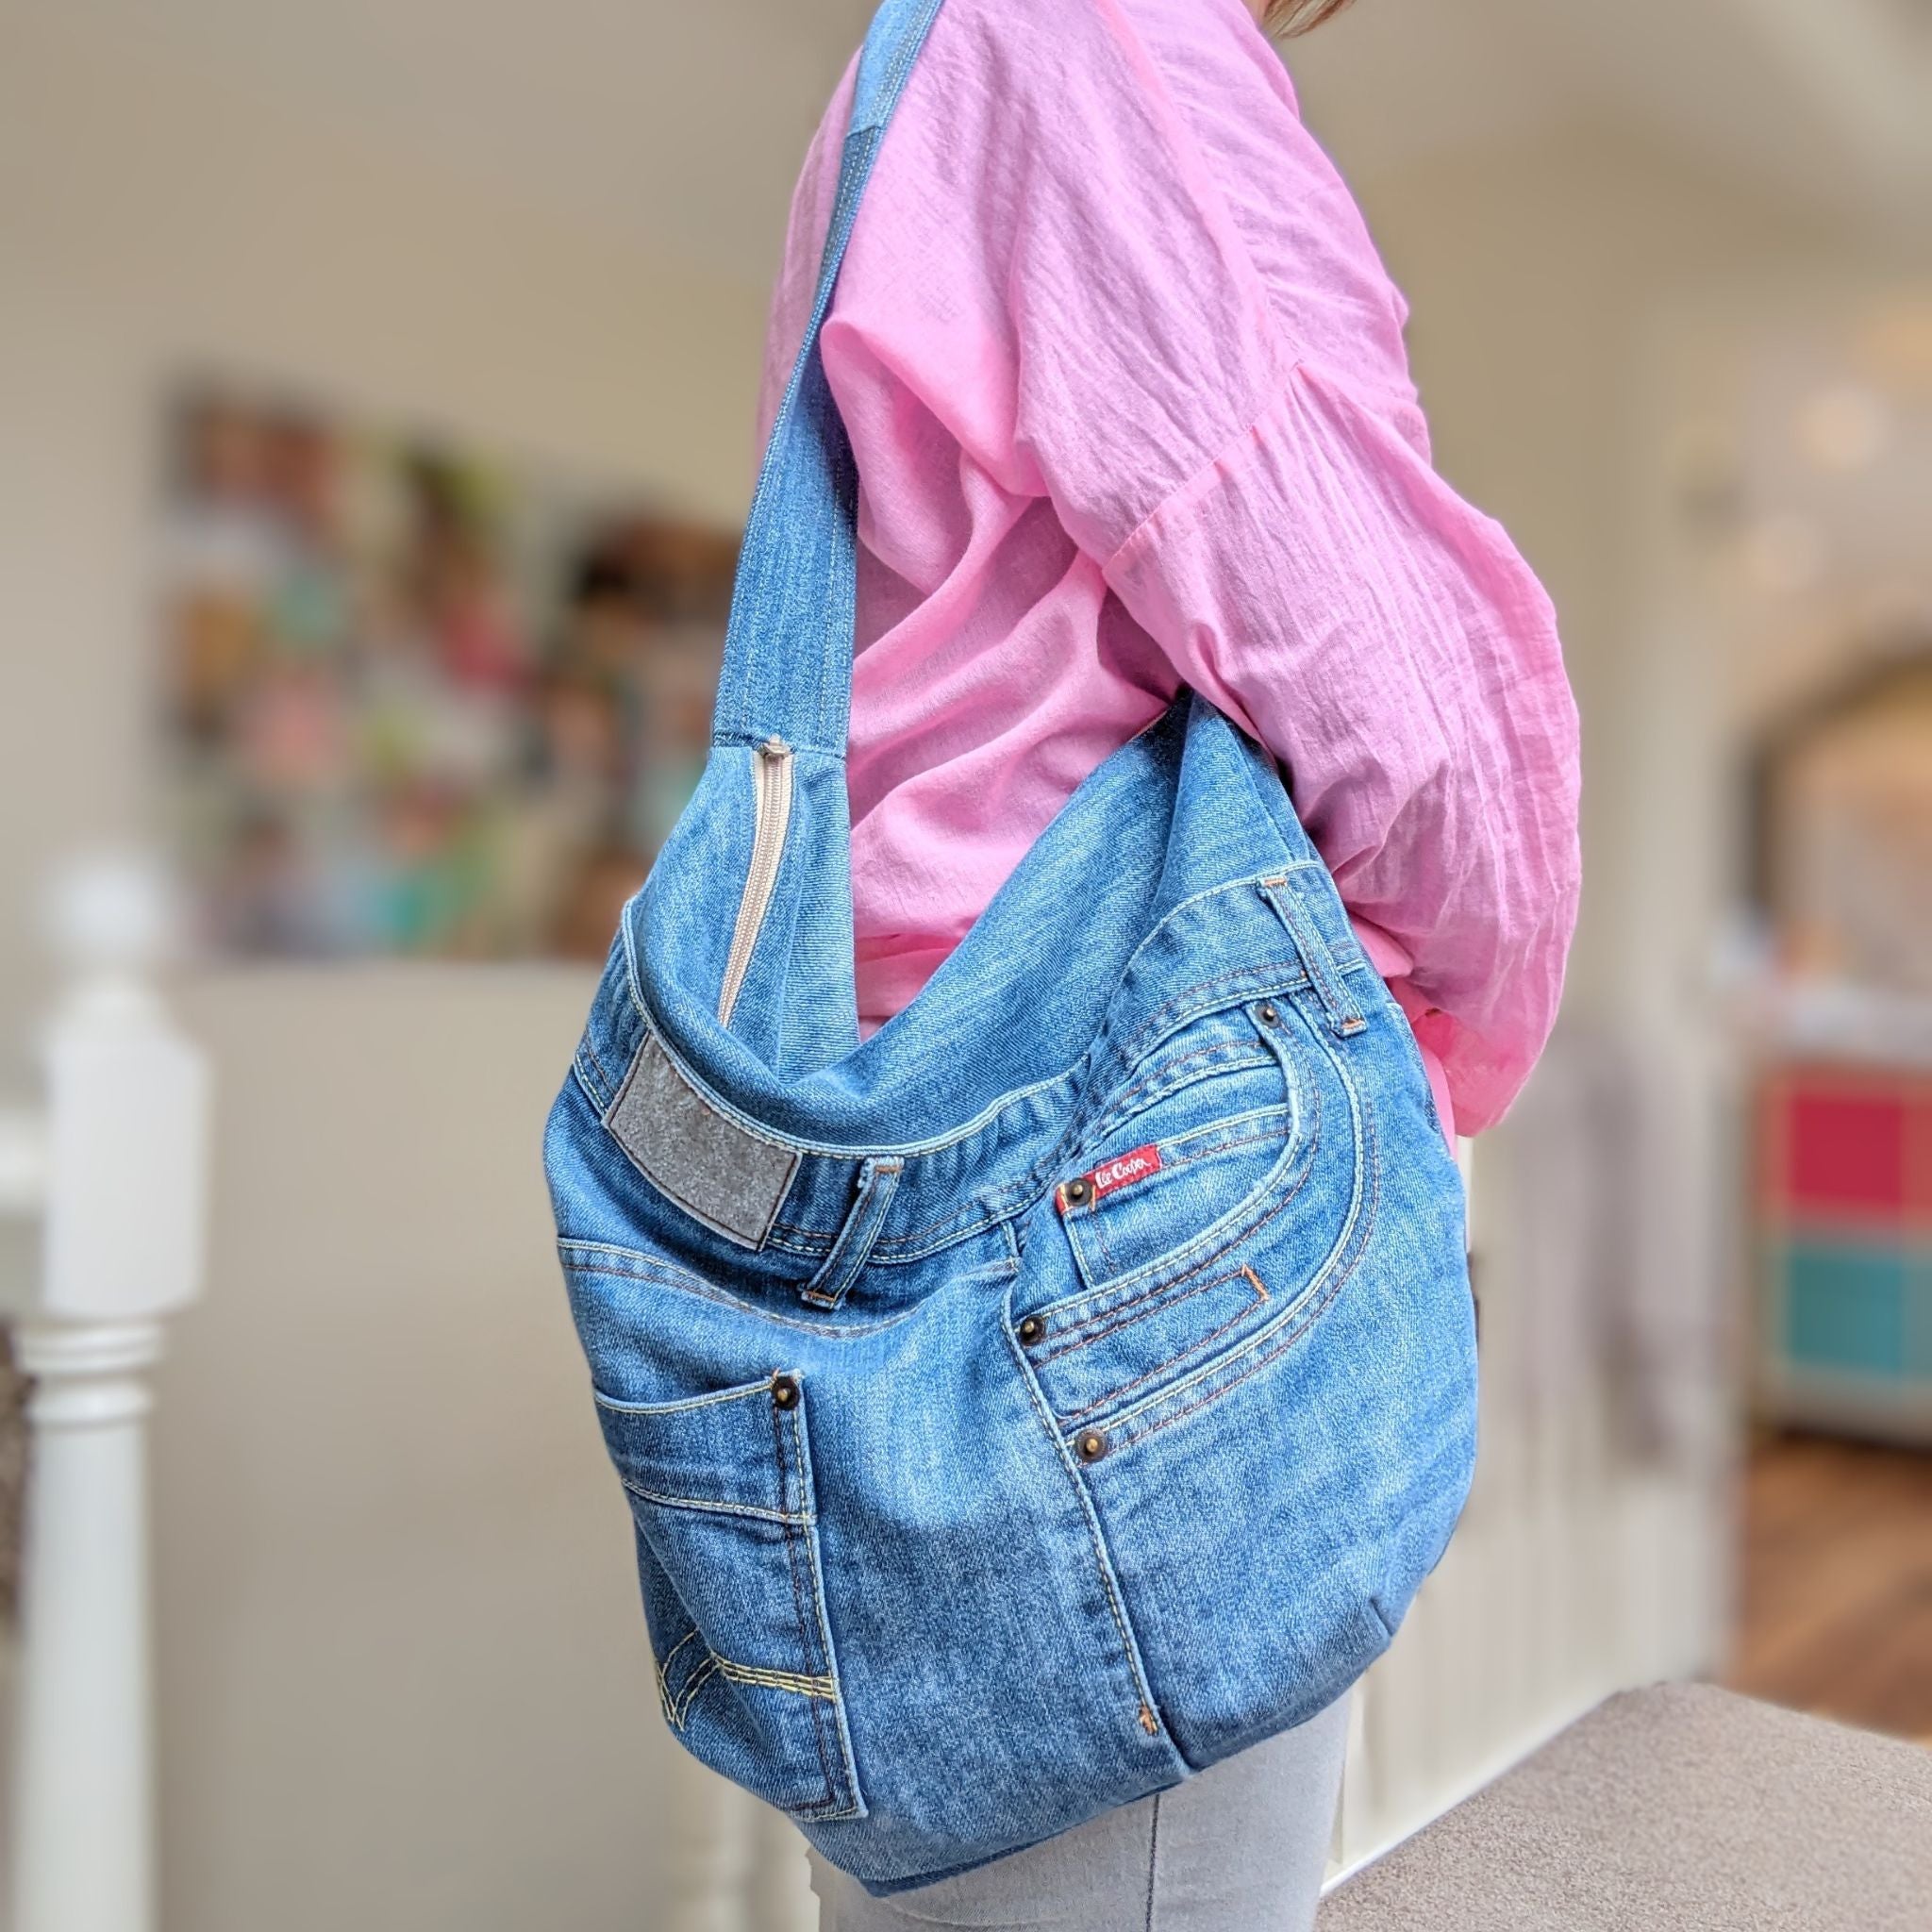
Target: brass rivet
[(1077, 1189), (784, 1392), (1090, 1445), (1031, 1329), (1269, 1014)]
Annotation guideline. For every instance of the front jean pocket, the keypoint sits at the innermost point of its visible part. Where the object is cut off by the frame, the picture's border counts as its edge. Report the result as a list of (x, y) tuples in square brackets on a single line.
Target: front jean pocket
[(1211, 1125), (720, 1492), (1237, 1214)]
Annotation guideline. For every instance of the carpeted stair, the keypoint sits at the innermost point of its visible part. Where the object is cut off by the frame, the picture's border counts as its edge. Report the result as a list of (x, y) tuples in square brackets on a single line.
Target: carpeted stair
[(1681, 1808)]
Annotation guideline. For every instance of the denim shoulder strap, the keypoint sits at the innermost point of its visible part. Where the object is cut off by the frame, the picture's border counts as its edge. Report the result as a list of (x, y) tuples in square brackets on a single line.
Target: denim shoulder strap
[(788, 649)]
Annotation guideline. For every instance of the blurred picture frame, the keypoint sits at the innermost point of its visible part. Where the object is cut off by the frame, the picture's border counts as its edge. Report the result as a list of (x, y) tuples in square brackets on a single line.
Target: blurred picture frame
[(417, 699)]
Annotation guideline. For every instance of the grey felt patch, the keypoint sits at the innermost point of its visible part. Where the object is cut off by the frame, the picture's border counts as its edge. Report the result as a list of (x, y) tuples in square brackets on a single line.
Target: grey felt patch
[(702, 1160)]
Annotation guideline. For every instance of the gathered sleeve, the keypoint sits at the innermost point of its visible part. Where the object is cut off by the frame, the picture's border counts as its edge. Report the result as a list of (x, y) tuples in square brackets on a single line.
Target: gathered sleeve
[(1323, 585), (1214, 391), (1116, 271)]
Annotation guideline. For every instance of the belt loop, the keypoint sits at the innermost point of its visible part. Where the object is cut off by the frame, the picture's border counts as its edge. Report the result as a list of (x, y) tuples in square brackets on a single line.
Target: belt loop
[(1337, 1007), (878, 1175)]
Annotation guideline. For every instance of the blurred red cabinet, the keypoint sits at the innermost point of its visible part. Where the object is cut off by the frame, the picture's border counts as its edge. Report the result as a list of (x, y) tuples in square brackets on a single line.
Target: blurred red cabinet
[(1843, 1212)]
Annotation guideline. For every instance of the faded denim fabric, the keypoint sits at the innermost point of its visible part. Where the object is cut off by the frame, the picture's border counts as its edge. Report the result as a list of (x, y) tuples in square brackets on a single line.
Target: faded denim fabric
[(1067, 1386)]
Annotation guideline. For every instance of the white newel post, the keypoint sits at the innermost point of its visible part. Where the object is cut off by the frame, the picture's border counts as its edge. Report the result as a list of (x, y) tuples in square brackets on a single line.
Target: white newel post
[(122, 1177)]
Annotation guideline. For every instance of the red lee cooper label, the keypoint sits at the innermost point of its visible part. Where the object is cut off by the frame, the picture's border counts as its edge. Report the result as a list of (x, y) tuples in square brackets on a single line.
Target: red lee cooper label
[(1136, 1164)]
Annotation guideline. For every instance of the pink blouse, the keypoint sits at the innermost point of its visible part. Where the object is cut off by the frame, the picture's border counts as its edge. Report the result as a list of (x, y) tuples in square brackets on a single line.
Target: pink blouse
[(1126, 386)]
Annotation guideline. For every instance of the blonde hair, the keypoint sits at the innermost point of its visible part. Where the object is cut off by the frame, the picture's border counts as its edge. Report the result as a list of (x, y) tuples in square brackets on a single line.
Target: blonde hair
[(1298, 16)]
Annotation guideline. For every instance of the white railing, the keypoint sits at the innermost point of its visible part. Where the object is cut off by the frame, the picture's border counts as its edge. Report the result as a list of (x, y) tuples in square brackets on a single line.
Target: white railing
[(1594, 1551), (108, 1171)]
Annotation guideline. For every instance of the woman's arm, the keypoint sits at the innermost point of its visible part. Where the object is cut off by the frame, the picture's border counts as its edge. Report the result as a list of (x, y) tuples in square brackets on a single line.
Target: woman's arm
[(1216, 394), (1323, 585), (1121, 274)]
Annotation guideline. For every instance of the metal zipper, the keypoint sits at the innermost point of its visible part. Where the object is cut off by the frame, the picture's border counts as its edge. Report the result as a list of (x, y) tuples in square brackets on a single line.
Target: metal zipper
[(771, 773)]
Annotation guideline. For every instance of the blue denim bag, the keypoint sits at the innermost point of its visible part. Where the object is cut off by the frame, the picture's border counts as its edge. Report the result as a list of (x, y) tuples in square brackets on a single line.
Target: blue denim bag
[(1066, 1385)]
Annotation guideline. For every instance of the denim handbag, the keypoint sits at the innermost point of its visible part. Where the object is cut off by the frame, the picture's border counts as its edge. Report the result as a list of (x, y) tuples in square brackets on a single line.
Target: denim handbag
[(1065, 1387)]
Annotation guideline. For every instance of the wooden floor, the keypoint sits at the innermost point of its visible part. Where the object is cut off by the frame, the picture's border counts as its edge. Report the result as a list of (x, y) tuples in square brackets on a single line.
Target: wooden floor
[(1836, 1611)]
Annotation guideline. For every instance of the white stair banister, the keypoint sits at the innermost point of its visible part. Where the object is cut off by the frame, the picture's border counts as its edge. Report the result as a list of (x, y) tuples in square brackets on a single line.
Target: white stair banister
[(118, 1159)]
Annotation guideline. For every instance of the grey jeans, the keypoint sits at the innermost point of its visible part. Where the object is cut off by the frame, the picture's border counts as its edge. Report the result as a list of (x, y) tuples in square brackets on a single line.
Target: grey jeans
[(1240, 1848)]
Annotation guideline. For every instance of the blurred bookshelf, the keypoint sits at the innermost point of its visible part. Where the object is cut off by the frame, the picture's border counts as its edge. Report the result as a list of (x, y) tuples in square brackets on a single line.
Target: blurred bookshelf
[(1841, 1200)]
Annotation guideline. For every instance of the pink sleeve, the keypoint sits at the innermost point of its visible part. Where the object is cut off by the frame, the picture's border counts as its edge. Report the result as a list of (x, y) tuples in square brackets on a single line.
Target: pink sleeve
[(1115, 269), (1323, 586), (1245, 459)]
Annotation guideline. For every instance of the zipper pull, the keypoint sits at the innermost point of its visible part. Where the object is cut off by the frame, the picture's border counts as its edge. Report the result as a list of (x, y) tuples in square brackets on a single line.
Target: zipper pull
[(774, 747)]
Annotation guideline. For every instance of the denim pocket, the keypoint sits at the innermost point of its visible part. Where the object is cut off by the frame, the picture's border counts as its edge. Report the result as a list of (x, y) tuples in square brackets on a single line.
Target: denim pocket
[(1229, 1229), (1204, 1128), (720, 1492)]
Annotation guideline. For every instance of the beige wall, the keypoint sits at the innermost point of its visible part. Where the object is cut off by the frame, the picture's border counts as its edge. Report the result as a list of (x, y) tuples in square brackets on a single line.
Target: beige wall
[(402, 1677), (152, 223)]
